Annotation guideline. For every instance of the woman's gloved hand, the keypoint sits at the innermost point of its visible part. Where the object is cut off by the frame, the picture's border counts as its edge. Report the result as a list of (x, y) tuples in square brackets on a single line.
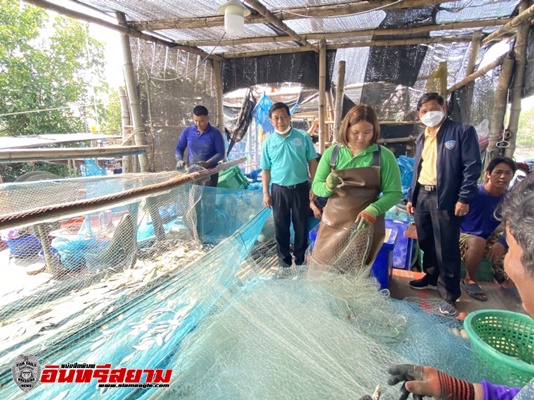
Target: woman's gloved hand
[(332, 180), (427, 381), (365, 218)]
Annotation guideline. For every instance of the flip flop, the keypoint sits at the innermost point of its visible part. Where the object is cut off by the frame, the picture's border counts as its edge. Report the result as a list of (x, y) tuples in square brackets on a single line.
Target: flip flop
[(473, 290)]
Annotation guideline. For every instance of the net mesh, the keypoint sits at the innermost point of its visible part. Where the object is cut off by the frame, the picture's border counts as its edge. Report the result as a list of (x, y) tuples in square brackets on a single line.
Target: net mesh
[(141, 291)]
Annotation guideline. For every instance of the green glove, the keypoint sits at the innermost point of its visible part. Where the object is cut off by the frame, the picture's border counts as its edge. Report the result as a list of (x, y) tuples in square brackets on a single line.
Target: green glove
[(332, 180)]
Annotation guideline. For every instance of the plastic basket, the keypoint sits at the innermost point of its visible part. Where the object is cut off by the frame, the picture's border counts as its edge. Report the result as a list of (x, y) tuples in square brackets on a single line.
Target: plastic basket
[(505, 341)]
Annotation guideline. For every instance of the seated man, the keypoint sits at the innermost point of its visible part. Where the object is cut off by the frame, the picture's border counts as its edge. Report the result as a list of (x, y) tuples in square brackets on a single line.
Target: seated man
[(478, 238)]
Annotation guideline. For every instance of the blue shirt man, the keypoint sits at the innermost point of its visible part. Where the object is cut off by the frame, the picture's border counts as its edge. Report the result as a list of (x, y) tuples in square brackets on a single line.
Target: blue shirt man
[(287, 154), (204, 143)]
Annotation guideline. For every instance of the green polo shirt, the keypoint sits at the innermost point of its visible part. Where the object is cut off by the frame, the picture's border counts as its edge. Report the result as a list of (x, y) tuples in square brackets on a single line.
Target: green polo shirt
[(287, 157), (389, 175)]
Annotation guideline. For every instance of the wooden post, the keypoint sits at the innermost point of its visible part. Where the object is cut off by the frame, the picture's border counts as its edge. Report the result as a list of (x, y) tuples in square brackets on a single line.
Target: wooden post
[(475, 47), (443, 78), (339, 99), (131, 87), (499, 106), (220, 109), (476, 74), (520, 55), (125, 114), (322, 86)]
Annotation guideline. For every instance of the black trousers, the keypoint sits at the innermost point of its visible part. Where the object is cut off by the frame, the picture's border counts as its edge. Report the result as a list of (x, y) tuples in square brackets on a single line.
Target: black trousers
[(438, 233), (291, 205)]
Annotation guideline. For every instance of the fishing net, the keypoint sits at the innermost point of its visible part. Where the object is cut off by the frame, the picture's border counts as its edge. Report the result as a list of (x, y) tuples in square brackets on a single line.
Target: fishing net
[(206, 305)]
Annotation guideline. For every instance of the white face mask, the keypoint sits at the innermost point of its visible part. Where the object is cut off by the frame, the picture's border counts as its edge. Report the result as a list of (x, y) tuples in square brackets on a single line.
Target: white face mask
[(432, 118), (284, 132)]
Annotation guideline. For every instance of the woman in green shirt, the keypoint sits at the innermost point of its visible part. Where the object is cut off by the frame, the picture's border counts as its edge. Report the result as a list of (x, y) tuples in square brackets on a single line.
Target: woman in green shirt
[(352, 174)]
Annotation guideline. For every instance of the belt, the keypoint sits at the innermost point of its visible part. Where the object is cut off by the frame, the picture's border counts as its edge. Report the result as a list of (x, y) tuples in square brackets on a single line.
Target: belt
[(293, 186), (429, 188)]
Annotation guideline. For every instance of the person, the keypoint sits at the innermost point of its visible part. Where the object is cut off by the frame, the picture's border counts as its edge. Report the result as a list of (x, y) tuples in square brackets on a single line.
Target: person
[(447, 167), (352, 174), (286, 157), (317, 204), (518, 217), (204, 143), (477, 232)]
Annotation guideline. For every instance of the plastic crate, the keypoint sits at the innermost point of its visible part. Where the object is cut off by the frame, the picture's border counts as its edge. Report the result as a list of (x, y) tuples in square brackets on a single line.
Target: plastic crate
[(232, 178), (381, 269), (402, 253), (505, 341)]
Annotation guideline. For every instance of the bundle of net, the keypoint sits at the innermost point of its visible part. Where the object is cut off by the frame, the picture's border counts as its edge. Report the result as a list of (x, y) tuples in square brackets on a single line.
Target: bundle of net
[(144, 329), (321, 334)]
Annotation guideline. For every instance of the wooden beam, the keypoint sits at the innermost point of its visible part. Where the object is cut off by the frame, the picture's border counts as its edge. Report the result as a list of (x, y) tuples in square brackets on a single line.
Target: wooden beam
[(334, 46), (220, 106), (270, 17), (500, 101), (473, 54), (126, 30), (322, 86), (288, 14), (351, 34), (525, 15), (477, 74), (131, 88), (339, 99), (24, 155)]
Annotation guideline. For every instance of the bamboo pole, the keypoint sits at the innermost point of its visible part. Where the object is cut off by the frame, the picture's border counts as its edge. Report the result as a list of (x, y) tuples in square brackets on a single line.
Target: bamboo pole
[(348, 45), (524, 16), (520, 55), (24, 155), (270, 17), (131, 87), (125, 30), (220, 109), (81, 207), (339, 99), (473, 54), (125, 115), (499, 106), (322, 86), (477, 74), (350, 34), (287, 14)]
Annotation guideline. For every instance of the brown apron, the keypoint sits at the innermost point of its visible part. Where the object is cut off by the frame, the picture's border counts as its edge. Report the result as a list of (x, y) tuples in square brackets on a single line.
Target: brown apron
[(361, 187)]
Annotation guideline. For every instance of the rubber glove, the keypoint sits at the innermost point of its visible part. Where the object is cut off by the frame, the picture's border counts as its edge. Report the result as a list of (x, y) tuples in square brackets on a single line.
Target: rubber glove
[(427, 381), (180, 165), (332, 180), (365, 218)]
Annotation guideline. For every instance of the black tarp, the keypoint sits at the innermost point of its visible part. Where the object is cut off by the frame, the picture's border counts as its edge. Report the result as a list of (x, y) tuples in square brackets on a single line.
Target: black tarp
[(303, 68), (528, 89)]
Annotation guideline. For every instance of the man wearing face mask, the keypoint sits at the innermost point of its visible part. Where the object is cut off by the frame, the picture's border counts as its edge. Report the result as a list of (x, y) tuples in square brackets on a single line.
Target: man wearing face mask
[(288, 159), (447, 167)]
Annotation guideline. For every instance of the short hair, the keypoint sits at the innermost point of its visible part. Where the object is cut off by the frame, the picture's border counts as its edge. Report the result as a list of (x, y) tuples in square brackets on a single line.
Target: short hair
[(518, 214), (430, 97), (277, 106), (200, 111), (501, 160), (363, 112)]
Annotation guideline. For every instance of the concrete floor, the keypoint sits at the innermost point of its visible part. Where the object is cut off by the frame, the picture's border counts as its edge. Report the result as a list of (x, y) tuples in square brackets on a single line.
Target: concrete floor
[(400, 289)]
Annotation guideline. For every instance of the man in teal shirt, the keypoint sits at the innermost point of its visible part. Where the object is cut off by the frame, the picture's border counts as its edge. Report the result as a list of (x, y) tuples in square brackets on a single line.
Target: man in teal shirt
[(288, 159)]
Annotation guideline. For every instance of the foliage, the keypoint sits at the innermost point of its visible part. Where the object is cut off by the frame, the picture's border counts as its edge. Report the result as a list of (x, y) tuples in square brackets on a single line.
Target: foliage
[(48, 64), (525, 134)]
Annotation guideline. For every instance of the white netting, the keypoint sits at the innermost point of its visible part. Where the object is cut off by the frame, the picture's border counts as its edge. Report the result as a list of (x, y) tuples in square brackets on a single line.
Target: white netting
[(214, 313)]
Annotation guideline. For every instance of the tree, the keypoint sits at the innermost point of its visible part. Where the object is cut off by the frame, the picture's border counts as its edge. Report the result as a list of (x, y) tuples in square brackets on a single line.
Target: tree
[(51, 65)]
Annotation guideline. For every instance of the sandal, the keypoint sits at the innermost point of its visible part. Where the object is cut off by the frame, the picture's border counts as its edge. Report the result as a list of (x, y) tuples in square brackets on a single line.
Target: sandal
[(473, 290), (512, 292)]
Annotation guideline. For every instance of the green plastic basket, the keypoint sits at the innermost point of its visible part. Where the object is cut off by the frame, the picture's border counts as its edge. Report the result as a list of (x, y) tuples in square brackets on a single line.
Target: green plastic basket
[(505, 341)]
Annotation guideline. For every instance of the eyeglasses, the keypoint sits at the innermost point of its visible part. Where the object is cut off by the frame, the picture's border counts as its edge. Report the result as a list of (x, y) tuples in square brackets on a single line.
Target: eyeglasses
[(280, 118)]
